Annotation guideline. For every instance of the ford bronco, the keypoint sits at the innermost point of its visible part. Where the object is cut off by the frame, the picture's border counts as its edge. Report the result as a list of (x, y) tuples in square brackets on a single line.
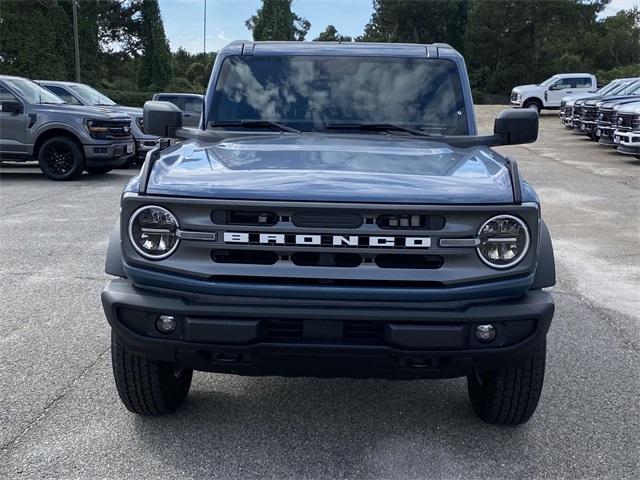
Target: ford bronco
[(335, 214)]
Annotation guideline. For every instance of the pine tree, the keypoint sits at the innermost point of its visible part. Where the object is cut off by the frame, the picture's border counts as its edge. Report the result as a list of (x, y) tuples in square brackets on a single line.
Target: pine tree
[(275, 21), (155, 70), (417, 21), (330, 34)]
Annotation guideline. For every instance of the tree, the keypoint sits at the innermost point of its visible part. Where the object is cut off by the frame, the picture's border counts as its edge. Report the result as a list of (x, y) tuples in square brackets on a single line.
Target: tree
[(275, 21), (34, 40), (510, 42), (330, 34), (155, 70), (417, 21)]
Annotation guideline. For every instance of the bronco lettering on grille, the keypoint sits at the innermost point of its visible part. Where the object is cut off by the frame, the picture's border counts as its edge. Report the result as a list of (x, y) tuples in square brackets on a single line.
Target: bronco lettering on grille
[(354, 241)]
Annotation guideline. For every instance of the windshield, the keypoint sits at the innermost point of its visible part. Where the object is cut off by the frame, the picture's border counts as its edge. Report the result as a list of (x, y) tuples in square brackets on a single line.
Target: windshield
[(32, 92), (311, 92), (91, 96), (549, 81), (610, 87), (634, 89), (619, 88)]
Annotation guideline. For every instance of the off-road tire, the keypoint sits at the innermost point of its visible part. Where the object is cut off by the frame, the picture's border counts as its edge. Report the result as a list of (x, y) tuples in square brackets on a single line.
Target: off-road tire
[(98, 170), (61, 158), (508, 396), (533, 105), (145, 386)]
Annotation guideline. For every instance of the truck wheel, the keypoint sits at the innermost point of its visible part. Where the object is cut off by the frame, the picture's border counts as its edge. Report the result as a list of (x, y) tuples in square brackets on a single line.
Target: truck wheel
[(61, 158), (533, 105), (508, 396), (98, 170), (145, 386)]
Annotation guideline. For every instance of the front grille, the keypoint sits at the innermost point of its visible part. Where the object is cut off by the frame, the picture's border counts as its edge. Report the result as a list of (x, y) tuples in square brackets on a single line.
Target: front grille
[(625, 121), (347, 331), (119, 128), (588, 114), (351, 245), (628, 121), (514, 96), (604, 116)]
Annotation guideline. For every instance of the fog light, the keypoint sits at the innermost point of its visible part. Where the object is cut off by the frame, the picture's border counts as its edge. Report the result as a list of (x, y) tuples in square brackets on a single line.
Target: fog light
[(485, 333), (166, 324)]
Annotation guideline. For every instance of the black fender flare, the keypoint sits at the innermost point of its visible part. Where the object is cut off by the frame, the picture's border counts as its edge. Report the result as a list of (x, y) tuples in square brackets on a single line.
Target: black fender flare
[(546, 269), (113, 264)]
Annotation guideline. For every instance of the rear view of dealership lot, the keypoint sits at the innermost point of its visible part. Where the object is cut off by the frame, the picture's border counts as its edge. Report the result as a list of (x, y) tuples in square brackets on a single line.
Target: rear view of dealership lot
[(60, 415)]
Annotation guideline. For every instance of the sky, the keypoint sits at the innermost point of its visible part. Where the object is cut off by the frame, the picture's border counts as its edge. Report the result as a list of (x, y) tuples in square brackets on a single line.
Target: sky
[(225, 19)]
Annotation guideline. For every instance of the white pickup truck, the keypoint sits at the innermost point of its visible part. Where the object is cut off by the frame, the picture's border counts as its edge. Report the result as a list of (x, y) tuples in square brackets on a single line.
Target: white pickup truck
[(548, 94)]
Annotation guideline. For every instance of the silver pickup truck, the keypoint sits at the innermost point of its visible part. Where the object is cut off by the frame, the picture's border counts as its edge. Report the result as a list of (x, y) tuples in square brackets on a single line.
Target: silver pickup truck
[(66, 140)]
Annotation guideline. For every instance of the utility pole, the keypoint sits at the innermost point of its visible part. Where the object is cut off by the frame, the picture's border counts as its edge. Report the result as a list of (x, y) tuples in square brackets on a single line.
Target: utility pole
[(75, 38)]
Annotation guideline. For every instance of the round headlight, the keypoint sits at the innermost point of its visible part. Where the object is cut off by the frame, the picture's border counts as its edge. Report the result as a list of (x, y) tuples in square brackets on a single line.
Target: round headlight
[(153, 232), (504, 241)]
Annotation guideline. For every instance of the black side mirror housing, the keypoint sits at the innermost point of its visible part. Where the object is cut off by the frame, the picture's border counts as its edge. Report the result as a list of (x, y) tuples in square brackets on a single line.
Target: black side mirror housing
[(517, 126), (11, 107), (162, 119)]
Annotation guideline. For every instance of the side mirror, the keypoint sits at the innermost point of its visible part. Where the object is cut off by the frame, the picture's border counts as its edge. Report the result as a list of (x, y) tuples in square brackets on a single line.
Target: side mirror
[(517, 126), (162, 119), (11, 107), (553, 87)]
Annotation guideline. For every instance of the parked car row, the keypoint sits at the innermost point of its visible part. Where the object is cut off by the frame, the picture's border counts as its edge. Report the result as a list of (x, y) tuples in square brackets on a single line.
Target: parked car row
[(610, 115), (70, 127)]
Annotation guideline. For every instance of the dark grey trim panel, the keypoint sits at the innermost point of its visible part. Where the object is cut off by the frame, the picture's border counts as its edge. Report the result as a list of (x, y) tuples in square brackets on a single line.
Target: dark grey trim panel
[(546, 269), (113, 265)]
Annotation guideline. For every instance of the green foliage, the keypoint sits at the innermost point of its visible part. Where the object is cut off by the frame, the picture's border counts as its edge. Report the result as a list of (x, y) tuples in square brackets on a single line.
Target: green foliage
[(35, 44), (275, 21), (416, 21), (330, 34), (128, 98), (628, 71), (510, 43), (155, 69)]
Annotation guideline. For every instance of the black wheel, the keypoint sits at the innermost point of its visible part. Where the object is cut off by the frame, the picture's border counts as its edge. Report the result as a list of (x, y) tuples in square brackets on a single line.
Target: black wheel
[(61, 158), (533, 105), (508, 396), (148, 387), (98, 170)]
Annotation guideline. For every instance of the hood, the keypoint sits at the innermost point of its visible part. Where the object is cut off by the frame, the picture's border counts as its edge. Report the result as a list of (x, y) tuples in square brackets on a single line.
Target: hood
[(333, 167), (631, 107), (105, 113), (613, 99), (570, 99), (520, 88), (133, 112)]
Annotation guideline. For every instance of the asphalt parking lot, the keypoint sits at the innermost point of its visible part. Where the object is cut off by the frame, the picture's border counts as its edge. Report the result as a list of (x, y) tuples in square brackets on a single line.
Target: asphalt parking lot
[(60, 415)]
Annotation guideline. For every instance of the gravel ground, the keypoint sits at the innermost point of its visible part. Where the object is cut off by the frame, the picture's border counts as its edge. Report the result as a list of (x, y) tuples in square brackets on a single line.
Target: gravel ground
[(60, 416)]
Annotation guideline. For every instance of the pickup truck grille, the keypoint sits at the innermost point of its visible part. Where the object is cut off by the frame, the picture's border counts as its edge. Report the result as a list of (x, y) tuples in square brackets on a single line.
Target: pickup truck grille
[(628, 121), (300, 243), (604, 117), (588, 114), (119, 128)]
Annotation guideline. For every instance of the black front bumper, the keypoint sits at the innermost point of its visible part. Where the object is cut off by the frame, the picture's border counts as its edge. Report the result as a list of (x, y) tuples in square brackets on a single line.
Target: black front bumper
[(297, 337)]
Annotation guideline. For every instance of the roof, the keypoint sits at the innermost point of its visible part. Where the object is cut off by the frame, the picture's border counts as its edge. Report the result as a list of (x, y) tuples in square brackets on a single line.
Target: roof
[(59, 82), (572, 74), (247, 47), (180, 94)]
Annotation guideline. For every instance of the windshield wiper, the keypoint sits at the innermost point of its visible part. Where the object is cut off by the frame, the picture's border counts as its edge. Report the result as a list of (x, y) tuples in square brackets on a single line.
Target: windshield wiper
[(376, 127), (256, 124)]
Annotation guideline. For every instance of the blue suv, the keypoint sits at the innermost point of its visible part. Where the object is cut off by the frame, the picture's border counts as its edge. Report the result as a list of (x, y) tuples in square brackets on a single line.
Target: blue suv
[(334, 214)]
